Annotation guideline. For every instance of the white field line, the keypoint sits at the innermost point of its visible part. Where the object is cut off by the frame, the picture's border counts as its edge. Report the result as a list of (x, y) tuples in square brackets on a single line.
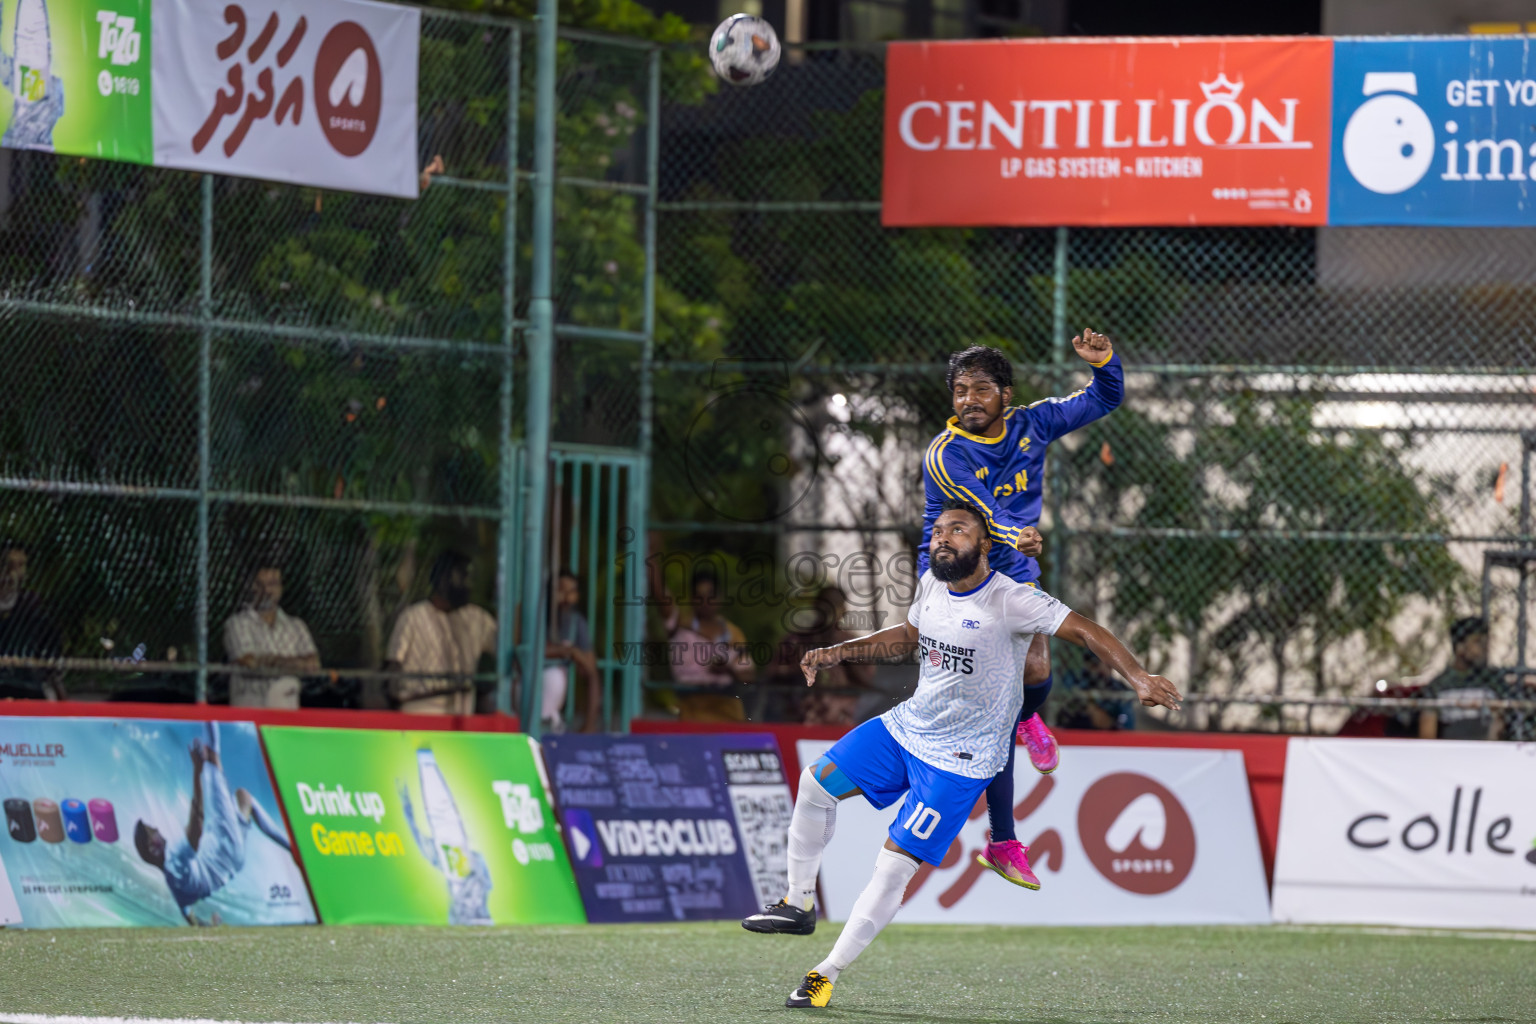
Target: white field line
[(46, 1018)]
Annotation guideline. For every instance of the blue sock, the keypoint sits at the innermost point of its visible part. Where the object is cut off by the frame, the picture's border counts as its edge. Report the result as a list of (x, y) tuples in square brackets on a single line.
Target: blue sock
[(1000, 789), (1000, 800)]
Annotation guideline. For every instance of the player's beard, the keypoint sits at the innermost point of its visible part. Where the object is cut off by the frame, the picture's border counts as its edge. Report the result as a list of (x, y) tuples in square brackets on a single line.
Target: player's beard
[(956, 567)]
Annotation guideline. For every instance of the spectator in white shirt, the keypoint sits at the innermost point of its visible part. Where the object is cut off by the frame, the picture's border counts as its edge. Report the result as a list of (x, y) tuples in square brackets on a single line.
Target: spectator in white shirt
[(261, 635), (442, 638)]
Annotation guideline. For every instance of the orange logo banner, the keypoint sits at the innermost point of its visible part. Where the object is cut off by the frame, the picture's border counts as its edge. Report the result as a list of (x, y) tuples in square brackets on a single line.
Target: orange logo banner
[(1107, 131)]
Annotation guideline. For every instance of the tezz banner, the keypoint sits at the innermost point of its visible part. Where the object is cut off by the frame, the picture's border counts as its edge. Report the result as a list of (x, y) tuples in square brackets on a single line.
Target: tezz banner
[(1118, 132)]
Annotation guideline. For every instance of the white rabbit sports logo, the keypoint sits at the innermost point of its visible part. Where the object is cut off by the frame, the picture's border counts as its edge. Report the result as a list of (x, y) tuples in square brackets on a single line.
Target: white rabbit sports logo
[(1389, 141)]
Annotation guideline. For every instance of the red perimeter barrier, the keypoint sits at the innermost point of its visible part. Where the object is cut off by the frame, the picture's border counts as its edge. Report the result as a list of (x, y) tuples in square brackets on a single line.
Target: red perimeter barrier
[(1263, 756), (330, 718)]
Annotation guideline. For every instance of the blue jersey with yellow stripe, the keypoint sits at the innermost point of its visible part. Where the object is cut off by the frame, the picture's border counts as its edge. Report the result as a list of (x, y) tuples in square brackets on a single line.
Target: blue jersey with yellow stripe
[(1004, 475)]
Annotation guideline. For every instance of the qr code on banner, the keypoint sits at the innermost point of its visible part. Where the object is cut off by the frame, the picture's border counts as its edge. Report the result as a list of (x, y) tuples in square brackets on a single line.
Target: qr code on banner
[(762, 819)]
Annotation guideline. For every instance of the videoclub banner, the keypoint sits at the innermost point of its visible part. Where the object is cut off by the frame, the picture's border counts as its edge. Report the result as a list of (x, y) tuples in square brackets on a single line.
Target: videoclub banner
[(1403, 832), (423, 827), (312, 92), (1111, 131), (143, 822), (673, 828), (1120, 835)]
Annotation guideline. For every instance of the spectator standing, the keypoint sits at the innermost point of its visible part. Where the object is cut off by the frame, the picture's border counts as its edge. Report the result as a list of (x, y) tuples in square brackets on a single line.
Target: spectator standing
[(705, 650), (822, 629), (1079, 712), (441, 640), (27, 630), (262, 635), (1468, 678), (570, 643)]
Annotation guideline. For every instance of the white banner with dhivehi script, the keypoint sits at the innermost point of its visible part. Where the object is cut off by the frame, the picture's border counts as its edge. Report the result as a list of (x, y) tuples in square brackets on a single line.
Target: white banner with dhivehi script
[(1117, 835), (313, 92), (1408, 832)]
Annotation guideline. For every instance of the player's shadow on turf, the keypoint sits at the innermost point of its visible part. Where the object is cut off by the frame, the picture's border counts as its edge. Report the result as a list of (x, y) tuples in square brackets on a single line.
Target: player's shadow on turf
[(947, 1016)]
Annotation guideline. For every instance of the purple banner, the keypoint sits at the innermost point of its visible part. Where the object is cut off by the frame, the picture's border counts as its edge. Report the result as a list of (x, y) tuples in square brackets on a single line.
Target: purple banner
[(672, 828)]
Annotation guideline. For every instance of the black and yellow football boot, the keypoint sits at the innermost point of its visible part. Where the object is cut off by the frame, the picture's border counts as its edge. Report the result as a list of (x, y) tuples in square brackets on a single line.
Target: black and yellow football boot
[(815, 990)]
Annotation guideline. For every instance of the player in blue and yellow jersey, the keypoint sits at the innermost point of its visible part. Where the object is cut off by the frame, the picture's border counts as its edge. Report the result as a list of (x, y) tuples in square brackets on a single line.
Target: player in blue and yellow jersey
[(992, 454)]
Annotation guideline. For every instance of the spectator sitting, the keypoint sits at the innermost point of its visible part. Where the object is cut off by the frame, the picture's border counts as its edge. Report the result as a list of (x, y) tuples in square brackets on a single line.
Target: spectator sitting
[(821, 628), (706, 651), (1079, 712), (27, 630), (443, 638), (570, 643), (262, 635), (1468, 678)]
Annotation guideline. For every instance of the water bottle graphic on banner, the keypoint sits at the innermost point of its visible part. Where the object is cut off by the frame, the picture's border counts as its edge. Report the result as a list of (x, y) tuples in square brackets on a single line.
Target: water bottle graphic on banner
[(446, 845), (38, 95)]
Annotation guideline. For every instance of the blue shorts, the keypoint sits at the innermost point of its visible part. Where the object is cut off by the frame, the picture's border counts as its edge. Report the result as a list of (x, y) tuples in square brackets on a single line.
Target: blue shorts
[(937, 804)]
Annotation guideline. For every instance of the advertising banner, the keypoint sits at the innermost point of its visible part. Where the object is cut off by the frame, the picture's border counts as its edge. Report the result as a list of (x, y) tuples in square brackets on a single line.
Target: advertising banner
[(1112, 131), (1433, 131), (10, 913), (315, 92), (1406, 832), (673, 827), (423, 827), (75, 77), (1118, 835), (143, 822)]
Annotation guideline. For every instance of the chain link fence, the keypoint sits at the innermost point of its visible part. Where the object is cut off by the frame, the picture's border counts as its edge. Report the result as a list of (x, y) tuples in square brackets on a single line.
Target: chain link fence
[(1325, 434), (1322, 459), (208, 376)]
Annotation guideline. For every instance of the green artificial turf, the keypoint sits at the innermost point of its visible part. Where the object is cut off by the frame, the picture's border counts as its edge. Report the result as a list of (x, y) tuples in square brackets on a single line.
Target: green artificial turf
[(718, 972)]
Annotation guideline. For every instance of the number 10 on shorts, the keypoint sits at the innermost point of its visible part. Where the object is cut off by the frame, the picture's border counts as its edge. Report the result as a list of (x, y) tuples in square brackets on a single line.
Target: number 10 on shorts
[(922, 821)]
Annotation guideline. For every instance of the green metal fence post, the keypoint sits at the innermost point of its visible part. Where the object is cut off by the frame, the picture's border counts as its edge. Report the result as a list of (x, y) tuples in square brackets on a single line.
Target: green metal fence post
[(541, 344), (1058, 381), (204, 428), (506, 539)]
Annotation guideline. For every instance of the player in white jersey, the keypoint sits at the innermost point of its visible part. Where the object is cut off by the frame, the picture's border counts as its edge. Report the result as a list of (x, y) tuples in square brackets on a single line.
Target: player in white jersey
[(972, 628)]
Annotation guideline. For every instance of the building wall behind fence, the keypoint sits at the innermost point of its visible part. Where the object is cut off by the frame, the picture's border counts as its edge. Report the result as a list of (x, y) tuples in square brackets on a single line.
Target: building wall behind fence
[(1321, 436)]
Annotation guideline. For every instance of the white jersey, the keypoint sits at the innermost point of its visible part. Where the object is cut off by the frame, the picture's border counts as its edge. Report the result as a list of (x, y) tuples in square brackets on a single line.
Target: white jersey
[(971, 684)]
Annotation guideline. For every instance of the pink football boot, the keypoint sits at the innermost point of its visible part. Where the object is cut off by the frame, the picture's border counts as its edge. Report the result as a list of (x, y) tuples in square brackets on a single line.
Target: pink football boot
[(1011, 860), (1040, 744)]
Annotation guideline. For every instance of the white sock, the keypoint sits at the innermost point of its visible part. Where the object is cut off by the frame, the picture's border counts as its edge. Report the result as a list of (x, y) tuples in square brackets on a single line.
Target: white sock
[(872, 911), (810, 828)]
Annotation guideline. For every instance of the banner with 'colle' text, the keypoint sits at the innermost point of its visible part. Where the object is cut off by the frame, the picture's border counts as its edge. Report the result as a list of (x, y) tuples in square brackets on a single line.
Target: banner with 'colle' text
[(1403, 832), (423, 827), (1107, 131)]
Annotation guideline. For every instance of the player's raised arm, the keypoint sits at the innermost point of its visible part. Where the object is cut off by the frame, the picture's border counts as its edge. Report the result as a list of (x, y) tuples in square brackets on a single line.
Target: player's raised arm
[(1153, 690), (893, 640), (1060, 416)]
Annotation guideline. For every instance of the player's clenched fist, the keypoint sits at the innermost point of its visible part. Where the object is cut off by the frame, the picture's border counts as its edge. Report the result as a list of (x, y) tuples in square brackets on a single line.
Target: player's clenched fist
[(817, 660), (1030, 542), (1093, 347), (1156, 691)]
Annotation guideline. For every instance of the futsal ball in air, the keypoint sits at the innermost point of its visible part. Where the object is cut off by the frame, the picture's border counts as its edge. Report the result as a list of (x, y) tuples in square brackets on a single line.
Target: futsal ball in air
[(744, 50)]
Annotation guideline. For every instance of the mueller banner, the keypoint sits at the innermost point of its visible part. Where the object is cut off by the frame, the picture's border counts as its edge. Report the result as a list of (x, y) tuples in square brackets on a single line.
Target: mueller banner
[(1433, 131), (423, 827), (1121, 835), (142, 822), (1403, 832), (314, 92), (1113, 131), (75, 77), (673, 828)]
